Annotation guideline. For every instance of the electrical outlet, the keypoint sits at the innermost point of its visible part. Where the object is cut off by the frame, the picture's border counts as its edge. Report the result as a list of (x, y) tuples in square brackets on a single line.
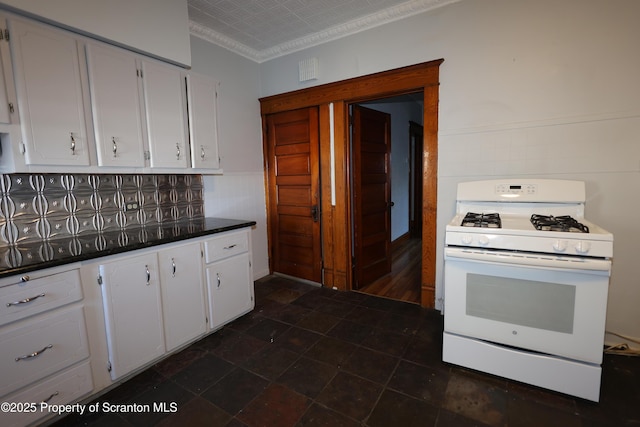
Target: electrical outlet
[(132, 206)]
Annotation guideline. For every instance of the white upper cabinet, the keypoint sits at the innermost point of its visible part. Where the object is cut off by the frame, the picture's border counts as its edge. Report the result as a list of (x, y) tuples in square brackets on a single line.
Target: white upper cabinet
[(166, 114), (203, 121), (116, 105), (49, 83), (8, 102)]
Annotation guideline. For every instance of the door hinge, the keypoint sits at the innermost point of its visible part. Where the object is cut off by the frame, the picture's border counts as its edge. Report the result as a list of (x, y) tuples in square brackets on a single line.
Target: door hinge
[(11, 109), (147, 155), (23, 148), (99, 279), (4, 34), (108, 366), (139, 72)]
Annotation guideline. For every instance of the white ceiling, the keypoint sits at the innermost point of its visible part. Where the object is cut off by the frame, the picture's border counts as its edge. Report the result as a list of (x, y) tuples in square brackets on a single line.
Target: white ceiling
[(265, 29)]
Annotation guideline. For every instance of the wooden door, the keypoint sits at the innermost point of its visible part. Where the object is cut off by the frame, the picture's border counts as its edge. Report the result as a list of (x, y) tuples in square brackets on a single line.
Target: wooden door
[(371, 194), (294, 185)]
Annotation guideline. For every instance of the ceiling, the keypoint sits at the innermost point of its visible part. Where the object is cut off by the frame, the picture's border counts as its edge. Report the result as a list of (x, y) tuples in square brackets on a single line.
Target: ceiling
[(264, 29)]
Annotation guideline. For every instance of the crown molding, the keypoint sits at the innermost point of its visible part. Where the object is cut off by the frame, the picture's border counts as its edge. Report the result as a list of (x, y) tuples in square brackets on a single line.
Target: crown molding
[(385, 16)]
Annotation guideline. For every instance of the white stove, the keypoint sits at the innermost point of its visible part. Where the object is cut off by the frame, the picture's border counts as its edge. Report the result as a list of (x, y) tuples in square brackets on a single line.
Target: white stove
[(526, 283)]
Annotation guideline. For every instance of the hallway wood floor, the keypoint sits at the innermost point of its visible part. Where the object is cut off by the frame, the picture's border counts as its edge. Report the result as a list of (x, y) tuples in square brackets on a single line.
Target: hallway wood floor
[(403, 283)]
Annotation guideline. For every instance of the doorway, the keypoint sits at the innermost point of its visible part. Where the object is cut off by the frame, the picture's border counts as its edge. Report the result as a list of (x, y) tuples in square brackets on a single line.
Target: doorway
[(332, 101), (393, 199)]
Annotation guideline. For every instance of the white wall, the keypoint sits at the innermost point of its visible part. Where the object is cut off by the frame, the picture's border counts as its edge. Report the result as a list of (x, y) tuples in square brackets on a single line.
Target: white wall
[(239, 192), (543, 89), (156, 27)]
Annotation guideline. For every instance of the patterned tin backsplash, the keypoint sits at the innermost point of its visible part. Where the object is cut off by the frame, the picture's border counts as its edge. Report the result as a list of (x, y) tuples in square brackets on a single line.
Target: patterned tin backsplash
[(37, 207)]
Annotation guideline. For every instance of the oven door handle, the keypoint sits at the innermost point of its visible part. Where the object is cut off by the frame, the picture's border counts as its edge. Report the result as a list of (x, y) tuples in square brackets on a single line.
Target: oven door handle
[(531, 260)]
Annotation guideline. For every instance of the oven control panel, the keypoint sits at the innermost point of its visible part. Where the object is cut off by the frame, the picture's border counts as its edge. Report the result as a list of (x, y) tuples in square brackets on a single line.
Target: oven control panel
[(516, 189)]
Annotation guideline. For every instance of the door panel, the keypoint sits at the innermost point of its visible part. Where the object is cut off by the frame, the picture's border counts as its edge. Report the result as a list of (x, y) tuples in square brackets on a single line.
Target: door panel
[(371, 195), (294, 185)]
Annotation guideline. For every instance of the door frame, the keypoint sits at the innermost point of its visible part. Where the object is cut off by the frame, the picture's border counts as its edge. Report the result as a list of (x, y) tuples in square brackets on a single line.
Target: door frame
[(336, 233)]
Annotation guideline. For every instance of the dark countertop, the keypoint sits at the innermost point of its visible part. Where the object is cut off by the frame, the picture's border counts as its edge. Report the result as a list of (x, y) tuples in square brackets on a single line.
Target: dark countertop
[(27, 257)]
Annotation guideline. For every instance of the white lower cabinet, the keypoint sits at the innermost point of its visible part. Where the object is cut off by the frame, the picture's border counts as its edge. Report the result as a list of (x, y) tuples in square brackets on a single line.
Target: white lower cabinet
[(229, 277), (44, 346), (133, 312), (183, 301)]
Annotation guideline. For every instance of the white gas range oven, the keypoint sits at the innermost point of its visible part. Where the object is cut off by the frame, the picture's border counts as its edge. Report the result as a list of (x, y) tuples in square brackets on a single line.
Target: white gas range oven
[(525, 284)]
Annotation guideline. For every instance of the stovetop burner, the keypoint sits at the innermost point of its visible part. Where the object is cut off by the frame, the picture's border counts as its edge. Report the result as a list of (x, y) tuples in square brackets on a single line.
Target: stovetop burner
[(490, 220), (557, 223)]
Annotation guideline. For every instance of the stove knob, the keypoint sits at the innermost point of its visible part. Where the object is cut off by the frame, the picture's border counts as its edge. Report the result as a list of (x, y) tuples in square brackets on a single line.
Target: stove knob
[(560, 245), (483, 240), (583, 247), (467, 240)]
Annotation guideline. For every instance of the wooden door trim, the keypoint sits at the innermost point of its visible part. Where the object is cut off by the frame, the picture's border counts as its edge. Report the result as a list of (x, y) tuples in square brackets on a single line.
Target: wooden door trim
[(335, 219)]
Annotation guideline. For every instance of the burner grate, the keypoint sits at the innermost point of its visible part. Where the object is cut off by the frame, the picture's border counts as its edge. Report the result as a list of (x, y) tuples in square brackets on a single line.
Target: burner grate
[(489, 220), (557, 223)]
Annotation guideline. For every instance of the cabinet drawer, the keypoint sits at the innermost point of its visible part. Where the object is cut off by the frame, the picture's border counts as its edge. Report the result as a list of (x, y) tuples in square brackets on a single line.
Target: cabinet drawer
[(226, 246), (37, 295), (66, 387), (41, 346)]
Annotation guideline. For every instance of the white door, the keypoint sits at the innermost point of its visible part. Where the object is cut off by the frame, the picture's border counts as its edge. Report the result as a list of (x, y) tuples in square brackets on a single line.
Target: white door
[(50, 95), (230, 289), (133, 312), (203, 121), (117, 106), (166, 114), (183, 300), (8, 103)]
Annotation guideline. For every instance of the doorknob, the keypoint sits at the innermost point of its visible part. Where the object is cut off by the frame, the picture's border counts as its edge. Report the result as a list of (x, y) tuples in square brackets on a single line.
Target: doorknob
[(315, 213)]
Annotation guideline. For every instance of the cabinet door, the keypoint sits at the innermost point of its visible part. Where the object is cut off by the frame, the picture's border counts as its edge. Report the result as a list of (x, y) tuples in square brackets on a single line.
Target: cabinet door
[(230, 289), (183, 299), (133, 312), (116, 106), (50, 95), (8, 103), (203, 121), (166, 114)]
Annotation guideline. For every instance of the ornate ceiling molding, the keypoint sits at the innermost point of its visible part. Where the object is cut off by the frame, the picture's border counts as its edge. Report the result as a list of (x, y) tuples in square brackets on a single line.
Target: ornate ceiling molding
[(385, 16)]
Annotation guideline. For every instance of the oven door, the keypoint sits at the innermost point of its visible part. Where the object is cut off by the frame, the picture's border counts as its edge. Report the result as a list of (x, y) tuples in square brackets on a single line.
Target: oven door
[(548, 304)]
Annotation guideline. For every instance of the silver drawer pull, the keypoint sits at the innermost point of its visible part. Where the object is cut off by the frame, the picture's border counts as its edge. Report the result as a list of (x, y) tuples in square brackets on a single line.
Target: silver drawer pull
[(24, 301), (177, 151), (115, 146), (34, 354), (173, 266), (50, 397), (73, 145), (219, 280), (230, 246), (148, 275), (202, 152)]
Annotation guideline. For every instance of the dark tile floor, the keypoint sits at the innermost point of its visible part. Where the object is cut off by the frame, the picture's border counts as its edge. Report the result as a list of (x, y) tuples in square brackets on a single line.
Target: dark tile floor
[(310, 356)]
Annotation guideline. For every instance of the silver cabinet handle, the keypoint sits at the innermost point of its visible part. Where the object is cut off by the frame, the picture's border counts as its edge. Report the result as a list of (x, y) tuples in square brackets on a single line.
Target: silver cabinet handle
[(25, 278), (148, 275), (34, 354), (50, 397), (202, 152), (177, 151), (73, 145), (115, 146), (230, 247), (173, 266), (24, 301), (219, 280)]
